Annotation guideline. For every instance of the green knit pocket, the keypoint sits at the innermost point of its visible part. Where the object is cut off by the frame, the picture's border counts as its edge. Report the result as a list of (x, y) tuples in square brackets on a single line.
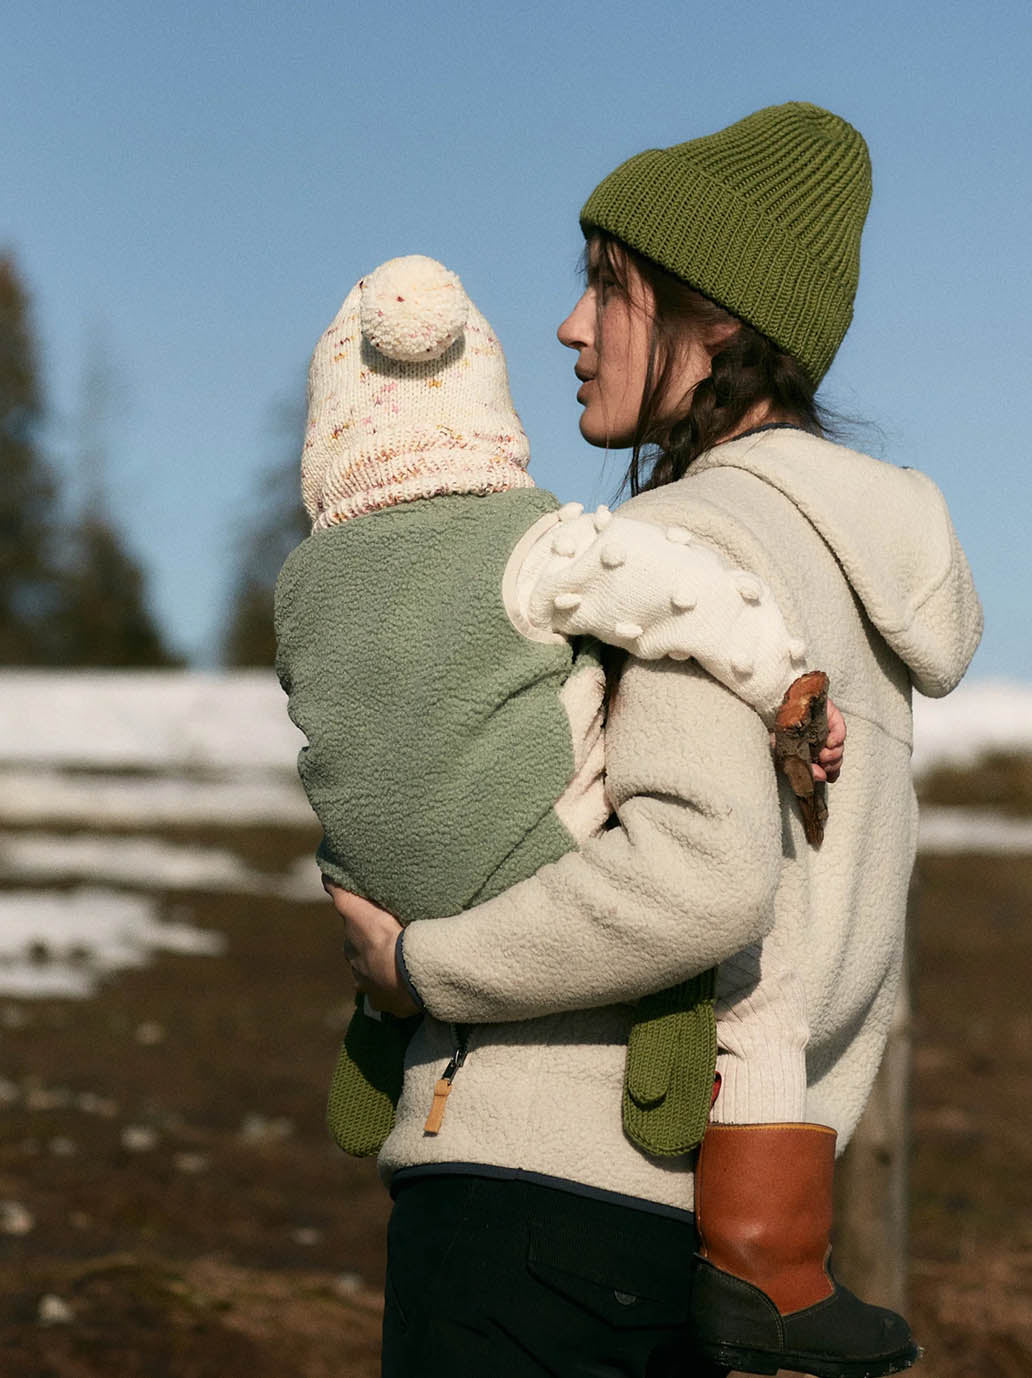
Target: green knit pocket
[(367, 1080), (671, 1059)]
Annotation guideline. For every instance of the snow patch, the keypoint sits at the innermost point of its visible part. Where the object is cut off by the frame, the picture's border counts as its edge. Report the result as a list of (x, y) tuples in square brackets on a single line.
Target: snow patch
[(147, 863), (47, 796), (953, 831), (977, 718), (63, 944), (156, 719)]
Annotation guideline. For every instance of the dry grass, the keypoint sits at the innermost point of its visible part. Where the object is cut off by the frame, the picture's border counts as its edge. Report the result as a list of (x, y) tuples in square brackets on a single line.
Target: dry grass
[(997, 781)]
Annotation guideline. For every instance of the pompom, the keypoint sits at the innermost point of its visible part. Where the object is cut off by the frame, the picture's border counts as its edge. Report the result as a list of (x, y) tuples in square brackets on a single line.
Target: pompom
[(413, 308)]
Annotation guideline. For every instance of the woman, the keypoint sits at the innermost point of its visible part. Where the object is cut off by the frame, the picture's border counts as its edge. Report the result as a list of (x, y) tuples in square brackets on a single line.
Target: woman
[(534, 1237)]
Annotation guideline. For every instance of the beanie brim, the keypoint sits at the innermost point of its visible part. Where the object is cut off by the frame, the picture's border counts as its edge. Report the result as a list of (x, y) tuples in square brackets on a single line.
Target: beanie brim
[(422, 467), (746, 263)]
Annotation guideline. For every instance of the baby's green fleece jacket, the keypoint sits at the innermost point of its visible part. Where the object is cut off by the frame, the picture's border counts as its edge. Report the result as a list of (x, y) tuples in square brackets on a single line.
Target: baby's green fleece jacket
[(437, 746)]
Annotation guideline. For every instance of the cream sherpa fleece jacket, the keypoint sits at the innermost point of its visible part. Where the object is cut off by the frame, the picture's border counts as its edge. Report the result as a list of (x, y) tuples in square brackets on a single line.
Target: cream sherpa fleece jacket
[(708, 860)]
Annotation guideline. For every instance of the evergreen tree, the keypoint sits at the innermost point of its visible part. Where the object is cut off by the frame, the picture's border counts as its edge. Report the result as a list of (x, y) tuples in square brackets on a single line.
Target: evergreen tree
[(30, 590), (106, 619), (89, 606), (280, 523)]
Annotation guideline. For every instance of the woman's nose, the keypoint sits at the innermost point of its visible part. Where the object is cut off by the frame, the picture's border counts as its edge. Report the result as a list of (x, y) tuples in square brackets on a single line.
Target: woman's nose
[(577, 330)]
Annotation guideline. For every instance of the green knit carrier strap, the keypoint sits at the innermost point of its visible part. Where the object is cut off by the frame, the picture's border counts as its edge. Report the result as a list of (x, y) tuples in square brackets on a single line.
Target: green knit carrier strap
[(671, 1059), (764, 217)]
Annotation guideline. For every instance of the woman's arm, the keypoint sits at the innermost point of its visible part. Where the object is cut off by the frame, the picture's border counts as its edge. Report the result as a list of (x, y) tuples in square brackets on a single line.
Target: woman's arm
[(684, 879)]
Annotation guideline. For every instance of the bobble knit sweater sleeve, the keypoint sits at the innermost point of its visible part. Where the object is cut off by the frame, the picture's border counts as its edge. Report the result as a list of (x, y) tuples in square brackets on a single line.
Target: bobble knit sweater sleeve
[(686, 877)]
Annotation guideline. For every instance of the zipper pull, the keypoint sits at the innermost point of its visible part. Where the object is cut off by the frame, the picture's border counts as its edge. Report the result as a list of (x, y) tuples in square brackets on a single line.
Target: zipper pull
[(442, 1090)]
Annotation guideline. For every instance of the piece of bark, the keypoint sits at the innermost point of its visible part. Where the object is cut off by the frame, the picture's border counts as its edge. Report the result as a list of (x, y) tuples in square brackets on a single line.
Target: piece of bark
[(800, 730)]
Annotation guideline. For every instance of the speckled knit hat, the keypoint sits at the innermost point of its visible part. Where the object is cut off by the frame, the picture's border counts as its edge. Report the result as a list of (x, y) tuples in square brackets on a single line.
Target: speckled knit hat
[(764, 217), (408, 397)]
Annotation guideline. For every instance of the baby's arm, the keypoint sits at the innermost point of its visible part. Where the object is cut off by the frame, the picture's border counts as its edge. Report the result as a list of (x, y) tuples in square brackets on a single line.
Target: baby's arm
[(656, 593)]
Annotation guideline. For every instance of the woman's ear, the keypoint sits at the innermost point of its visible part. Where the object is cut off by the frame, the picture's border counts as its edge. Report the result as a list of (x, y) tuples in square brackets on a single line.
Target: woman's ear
[(719, 336)]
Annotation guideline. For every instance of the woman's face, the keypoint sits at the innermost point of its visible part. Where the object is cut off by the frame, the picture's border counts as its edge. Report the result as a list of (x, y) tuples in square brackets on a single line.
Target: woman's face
[(611, 329), (612, 381)]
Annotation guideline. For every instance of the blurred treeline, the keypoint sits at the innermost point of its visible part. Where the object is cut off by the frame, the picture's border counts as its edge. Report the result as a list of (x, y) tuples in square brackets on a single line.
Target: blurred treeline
[(71, 591), (276, 525)]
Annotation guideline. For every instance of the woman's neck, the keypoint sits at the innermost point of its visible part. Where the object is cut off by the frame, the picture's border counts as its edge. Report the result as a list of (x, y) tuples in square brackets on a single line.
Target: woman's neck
[(757, 418)]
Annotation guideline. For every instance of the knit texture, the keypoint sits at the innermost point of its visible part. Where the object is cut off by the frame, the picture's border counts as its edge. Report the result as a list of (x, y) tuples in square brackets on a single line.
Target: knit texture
[(408, 397), (760, 1006), (658, 594), (667, 1095), (764, 217), (367, 1079)]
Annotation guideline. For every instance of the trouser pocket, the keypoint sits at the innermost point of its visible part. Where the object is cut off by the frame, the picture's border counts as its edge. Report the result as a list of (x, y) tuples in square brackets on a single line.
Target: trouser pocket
[(611, 1277), (492, 1278)]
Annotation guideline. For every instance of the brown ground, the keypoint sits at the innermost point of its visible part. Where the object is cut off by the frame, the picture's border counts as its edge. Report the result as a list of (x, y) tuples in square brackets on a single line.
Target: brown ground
[(190, 1217)]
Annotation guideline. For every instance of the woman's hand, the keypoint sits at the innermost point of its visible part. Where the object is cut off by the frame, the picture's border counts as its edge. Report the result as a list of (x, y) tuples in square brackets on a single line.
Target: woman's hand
[(829, 758), (370, 939)]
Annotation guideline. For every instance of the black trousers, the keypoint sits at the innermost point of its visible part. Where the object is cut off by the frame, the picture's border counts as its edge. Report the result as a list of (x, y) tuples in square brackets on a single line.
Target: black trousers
[(491, 1278)]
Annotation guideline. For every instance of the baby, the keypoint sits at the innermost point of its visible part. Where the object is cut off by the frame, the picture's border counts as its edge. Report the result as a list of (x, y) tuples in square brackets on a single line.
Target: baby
[(436, 639)]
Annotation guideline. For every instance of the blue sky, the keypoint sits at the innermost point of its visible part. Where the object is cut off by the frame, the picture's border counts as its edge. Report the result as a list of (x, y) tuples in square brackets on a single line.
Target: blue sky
[(190, 190)]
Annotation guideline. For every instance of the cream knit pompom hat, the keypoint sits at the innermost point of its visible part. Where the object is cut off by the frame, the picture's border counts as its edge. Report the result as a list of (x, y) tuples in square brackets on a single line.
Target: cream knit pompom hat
[(408, 397)]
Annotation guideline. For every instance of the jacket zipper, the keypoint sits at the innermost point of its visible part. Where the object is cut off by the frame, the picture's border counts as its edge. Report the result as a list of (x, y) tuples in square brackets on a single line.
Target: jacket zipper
[(443, 1086)]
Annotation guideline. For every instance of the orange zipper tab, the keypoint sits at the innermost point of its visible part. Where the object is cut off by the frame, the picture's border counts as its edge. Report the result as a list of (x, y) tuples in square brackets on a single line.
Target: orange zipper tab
[(442, 1090)]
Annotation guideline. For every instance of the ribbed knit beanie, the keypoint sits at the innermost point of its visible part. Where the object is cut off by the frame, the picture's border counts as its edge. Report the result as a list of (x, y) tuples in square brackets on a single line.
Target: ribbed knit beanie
[(408, 397), (764, 217)]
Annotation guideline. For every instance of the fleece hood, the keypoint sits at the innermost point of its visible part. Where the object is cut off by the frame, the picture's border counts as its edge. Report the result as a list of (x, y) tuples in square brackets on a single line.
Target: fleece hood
[(891, 533)]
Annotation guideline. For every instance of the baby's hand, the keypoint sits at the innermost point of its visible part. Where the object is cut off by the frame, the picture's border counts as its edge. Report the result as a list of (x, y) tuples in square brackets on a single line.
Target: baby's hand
[(828, 765), (829, 758)]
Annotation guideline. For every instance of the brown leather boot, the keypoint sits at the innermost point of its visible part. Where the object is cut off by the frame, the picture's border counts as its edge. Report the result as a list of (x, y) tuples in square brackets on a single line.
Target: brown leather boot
[(763, 1295)]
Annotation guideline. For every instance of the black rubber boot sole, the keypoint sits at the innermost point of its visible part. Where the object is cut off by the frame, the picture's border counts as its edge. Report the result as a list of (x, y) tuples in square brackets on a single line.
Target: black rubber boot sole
[(818, 1365), (737, 1324)]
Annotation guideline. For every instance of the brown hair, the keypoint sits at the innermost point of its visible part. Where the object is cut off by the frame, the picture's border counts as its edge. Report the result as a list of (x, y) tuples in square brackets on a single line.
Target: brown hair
[(747, 371)]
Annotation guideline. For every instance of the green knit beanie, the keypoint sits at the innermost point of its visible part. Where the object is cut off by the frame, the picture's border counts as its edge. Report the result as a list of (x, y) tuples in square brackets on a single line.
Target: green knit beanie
[(764, 217)]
